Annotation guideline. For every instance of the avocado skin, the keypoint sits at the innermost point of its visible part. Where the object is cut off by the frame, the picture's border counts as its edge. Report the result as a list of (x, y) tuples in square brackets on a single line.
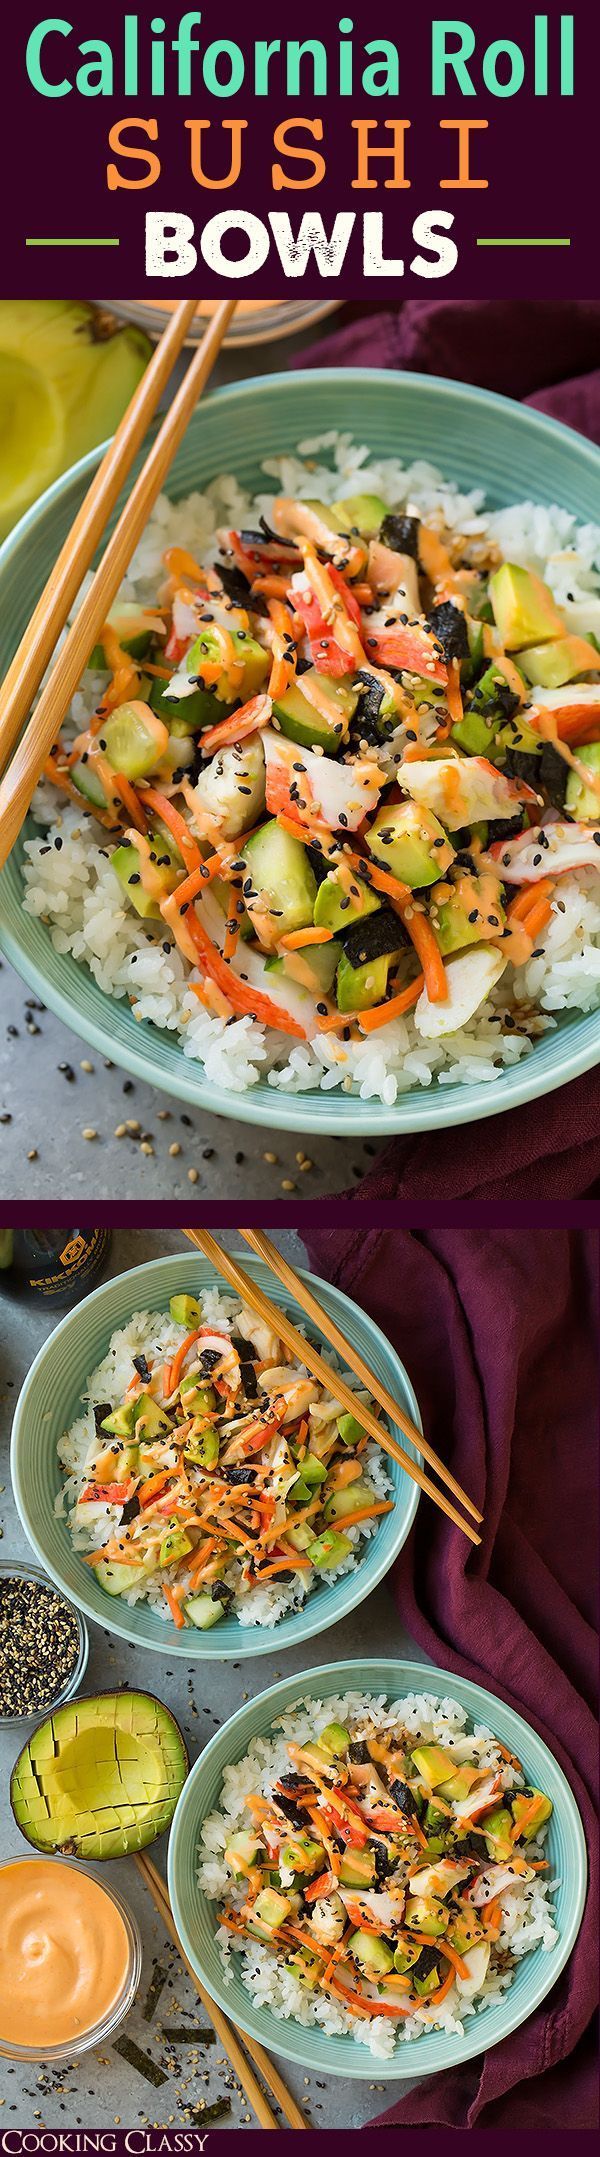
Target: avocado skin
[(373, 937), (449, 627), (402, 535)]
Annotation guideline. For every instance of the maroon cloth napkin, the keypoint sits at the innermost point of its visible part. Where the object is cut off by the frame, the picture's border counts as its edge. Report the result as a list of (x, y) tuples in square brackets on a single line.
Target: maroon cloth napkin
[(497, 1332), (546, 355)]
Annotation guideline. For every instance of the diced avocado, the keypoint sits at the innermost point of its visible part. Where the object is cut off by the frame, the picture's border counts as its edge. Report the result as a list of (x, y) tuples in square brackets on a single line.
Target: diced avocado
[(302, 1854), (498, 1833), (357, 1868), (306, 1968), (436, 1844), (185, 1311), (464, 1931), (150, 1420), (121, 1421), (134, 746), (328, 1549), (520, 1805), (491, 703), (358, 987), (127, 865), (313, 1470), (550, 666), (134, 629), (432, 1764), (410, 843), (284, 886), (202, 1448), (256, 661), (197, 1400), (300, 1537), (405, 1955), (580, 800), (116, 1754), (434, 1819), (362, 513), (426, 1915), (271, 1908), (201, 708), (452, 920), (350, 1430), (460, 1783), (300, 720), (351, 1500), (116, 1579), (175, 1544), (241, 1852), (336, 907), (473, 733), (524, 610), (204, 1611), (85, 778), (335, 1739), (372, 1955), (314, 968)]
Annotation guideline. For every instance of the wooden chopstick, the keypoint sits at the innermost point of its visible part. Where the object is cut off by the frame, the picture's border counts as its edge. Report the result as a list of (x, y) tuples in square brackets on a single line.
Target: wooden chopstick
[(21, 778), (246, 1288), (157, 1888), (26, 670), (291, 1280)]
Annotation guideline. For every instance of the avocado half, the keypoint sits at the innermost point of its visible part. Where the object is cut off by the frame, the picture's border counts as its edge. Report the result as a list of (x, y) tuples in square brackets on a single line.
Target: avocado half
[(67, 372), (101, 1777)]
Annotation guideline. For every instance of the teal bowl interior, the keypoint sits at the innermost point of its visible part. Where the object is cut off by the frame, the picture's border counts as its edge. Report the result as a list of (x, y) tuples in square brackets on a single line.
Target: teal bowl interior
[(477, 440), (310, 2047), (50, 1399)]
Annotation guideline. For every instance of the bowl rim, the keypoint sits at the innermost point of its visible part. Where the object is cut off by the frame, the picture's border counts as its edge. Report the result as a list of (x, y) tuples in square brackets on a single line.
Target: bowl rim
[(418, 1110), (415, 1677), (250, 1640)]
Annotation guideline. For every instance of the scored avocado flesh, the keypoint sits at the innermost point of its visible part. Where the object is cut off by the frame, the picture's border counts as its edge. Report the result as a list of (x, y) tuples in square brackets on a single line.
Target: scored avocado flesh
[(101, 1777)]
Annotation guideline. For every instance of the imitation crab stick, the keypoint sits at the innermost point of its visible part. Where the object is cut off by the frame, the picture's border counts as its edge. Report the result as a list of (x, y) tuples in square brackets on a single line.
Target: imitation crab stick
[(239, 994), (247, 720)]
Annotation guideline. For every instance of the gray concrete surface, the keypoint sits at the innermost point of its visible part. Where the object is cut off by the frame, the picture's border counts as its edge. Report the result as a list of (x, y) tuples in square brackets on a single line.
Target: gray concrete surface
[(48, 1113), (102, 2089)]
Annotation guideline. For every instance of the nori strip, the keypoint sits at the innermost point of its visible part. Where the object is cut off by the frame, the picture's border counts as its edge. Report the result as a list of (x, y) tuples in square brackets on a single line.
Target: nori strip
[(504, 827), (142, 1368), (202, 2115), (523, 764), (554, 773), (180, 2036), (134, 2056), (449, 628), (371, 938), (158, 1980), (401, 534)]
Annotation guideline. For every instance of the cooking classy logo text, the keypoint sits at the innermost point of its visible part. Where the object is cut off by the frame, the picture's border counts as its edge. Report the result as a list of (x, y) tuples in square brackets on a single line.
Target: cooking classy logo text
[(152, 68)]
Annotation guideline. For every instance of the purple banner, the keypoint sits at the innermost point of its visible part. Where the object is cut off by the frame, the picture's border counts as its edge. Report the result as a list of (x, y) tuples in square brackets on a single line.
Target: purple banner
[(371, 155)]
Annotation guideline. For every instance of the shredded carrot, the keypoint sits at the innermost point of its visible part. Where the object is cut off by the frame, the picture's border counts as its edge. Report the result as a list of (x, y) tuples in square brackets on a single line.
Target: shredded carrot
[(526, 898), (428, 951), (381, 878), (150, 1489), (435, 1998), (131, 800), (368, 1512), (382, 1014), (176, 1613), (176, 1367), (281, 1565), (297, 938), (180, 832)]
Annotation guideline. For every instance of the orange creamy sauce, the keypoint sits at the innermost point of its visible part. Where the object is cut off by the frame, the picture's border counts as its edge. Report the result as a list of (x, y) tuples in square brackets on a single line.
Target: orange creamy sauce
[(65, 1953)]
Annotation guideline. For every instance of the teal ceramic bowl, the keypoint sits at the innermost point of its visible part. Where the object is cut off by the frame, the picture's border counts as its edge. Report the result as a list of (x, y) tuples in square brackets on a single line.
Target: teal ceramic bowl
[(477, 440), (196, 1920), (50, 1400)]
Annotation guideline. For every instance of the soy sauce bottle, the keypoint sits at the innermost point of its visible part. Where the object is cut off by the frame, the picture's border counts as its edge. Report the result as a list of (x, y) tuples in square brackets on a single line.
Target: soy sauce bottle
[(55, 1266)]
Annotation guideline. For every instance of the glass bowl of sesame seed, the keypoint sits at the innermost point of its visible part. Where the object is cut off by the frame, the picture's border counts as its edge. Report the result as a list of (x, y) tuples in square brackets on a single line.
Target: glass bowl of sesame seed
[(44, 1644)]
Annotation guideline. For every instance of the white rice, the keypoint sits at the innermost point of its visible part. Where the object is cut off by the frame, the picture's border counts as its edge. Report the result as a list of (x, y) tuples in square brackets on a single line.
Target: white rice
[(527, 1910), (70, 885), (154, 1334)]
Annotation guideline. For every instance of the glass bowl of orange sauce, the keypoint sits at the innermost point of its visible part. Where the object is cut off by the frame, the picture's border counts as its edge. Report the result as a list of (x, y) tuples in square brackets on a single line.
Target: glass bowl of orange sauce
[(71, 1959)]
